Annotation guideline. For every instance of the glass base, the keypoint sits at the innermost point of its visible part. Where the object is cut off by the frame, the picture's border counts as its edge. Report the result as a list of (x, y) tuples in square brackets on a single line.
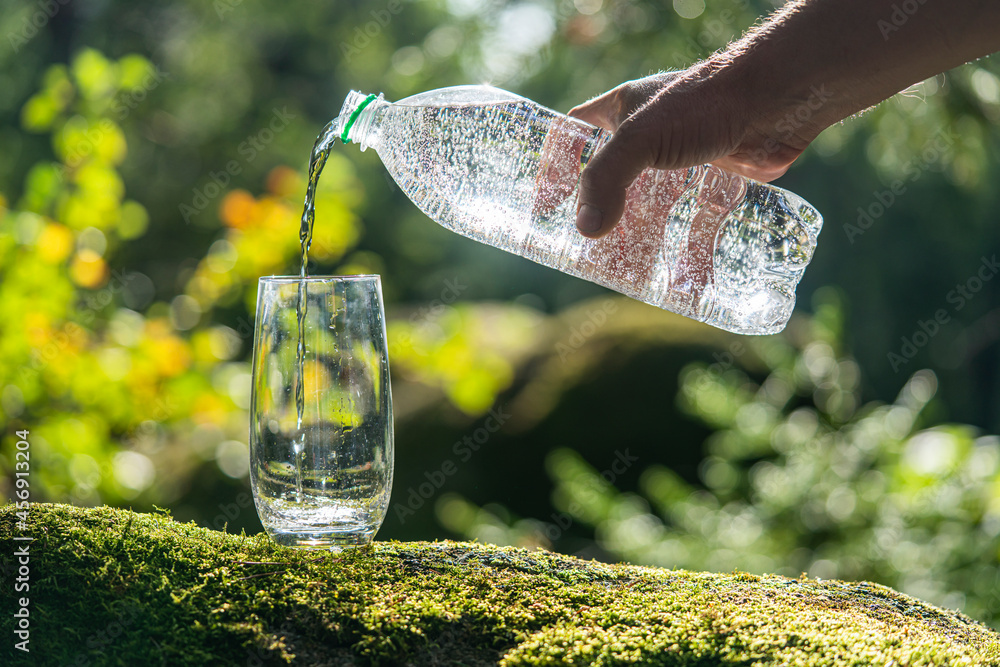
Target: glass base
[(329, 541), (318, 523)]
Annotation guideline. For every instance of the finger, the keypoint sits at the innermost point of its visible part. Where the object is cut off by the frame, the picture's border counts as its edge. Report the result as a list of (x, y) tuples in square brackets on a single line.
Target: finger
[(610, 110), (559, 170), (602, 111), (765, 163), (604, 182)]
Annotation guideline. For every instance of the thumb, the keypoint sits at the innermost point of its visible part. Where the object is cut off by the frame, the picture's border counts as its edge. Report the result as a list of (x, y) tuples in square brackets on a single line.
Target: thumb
[(602, 111), (606, 178)]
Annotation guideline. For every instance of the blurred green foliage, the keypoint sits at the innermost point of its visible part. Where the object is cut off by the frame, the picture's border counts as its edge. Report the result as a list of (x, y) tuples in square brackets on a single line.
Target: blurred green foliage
[(799, 476), (98, 363), (152, 164)]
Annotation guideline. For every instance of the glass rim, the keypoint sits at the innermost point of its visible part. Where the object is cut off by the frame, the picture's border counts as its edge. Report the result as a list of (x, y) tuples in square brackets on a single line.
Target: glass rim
[(320, 279)]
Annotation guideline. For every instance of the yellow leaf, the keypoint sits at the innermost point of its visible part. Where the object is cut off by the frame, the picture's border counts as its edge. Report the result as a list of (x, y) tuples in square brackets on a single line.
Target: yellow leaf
[(95, 75), (55, 243), (38, 113), (88, 269)]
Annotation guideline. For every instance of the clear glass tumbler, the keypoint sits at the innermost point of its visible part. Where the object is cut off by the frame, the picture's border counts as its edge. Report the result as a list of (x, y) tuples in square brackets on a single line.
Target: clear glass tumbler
[(321, 478)]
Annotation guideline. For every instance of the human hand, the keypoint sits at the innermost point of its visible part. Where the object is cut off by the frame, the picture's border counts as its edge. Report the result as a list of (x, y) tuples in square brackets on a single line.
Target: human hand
[(754, 108), (676, 120), (623, 256)]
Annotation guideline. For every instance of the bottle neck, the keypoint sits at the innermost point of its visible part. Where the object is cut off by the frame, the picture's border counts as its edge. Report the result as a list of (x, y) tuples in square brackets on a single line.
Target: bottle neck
[(357, 116)]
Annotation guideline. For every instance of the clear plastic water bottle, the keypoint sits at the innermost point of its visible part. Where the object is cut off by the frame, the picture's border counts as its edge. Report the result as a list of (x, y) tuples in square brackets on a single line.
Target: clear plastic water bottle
[(503, 170)]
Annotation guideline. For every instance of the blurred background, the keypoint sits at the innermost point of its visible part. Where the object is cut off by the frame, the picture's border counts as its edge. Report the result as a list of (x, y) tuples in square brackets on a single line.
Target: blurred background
[(152, 160)]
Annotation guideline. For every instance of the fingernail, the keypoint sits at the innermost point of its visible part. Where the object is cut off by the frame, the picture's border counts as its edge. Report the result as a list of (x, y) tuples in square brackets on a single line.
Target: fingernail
[(588, 218)]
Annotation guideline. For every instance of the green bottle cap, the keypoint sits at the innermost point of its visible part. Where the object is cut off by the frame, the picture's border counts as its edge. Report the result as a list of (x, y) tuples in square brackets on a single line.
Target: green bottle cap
[(354, 117)]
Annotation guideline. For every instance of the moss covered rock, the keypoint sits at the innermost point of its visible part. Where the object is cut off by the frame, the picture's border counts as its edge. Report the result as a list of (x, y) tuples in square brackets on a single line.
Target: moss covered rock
[(112, 587)]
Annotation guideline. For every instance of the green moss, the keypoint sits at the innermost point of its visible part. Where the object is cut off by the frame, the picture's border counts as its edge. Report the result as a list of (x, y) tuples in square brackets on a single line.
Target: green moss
[(113, 587)]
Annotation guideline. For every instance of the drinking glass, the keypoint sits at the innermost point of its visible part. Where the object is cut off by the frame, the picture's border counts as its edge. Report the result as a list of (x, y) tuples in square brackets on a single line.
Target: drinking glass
[(321, 477)]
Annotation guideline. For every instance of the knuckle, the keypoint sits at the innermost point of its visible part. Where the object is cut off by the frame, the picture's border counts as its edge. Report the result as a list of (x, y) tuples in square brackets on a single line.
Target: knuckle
[(636, 140)]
